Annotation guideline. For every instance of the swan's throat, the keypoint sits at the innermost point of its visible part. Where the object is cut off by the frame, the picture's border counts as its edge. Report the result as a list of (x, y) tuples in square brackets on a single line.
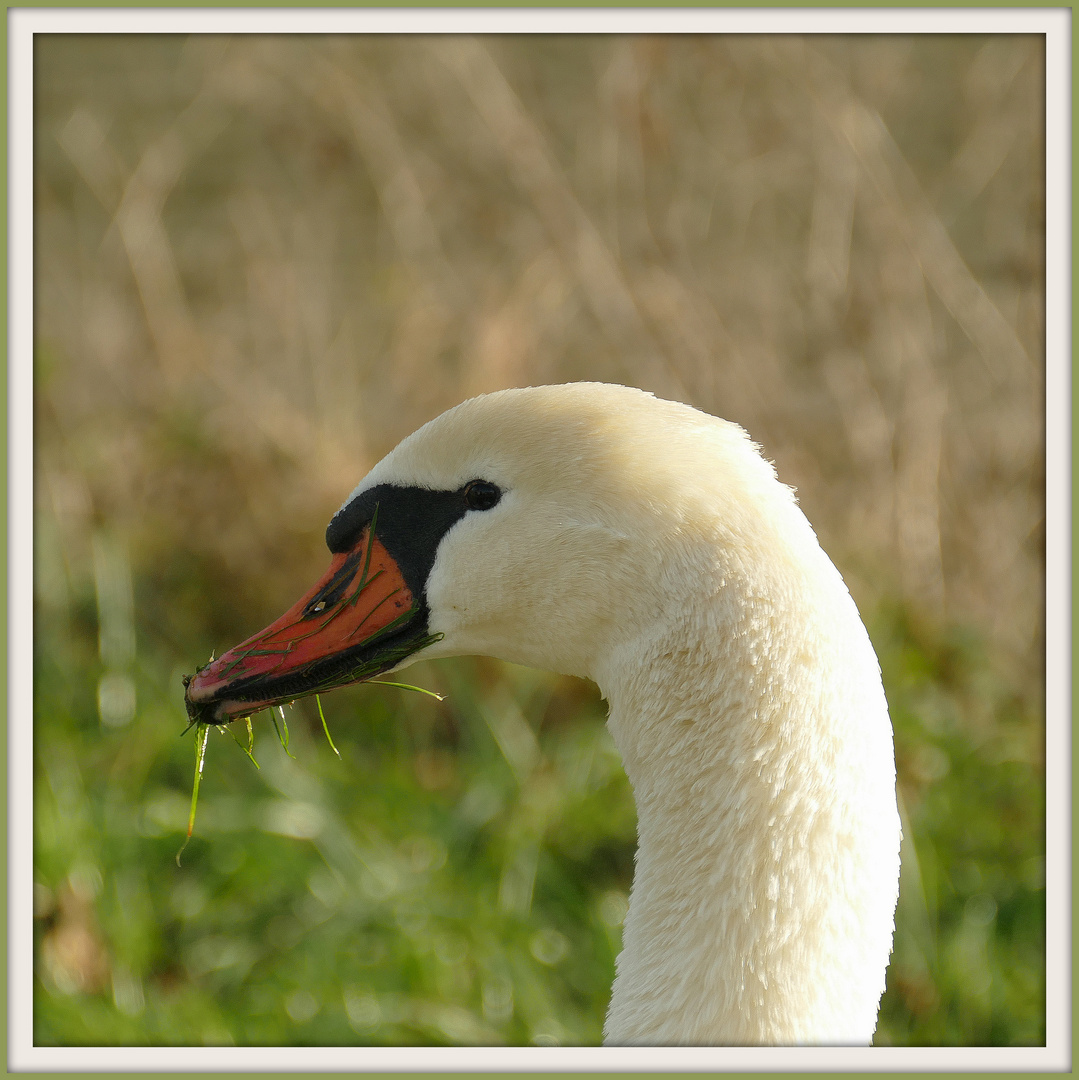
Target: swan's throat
[(762, 904)]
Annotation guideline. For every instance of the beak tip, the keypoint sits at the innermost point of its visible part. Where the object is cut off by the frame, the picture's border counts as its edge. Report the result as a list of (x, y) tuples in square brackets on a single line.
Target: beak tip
[(199, 712)]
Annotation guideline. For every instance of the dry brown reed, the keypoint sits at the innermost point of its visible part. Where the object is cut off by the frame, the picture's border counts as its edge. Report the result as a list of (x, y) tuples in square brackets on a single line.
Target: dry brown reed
[(261, 261)]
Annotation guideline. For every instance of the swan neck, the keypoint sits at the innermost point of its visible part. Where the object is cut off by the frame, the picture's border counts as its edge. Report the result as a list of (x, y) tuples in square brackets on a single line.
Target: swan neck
[(762, 904)]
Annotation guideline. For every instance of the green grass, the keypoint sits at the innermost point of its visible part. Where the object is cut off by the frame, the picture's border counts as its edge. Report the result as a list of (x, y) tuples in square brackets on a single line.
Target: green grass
[(425, 880), (460, 873), (969, 960)]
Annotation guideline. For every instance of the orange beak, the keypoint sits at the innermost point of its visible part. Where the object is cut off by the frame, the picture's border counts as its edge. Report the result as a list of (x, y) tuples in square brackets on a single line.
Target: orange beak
[(358, 620)]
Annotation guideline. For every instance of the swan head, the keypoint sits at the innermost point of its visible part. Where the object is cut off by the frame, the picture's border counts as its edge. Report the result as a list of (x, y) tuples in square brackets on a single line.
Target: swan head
[(545, 526)]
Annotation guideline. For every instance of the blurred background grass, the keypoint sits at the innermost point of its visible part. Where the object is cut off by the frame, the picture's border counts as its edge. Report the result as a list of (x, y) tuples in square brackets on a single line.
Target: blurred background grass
[(261, 261)]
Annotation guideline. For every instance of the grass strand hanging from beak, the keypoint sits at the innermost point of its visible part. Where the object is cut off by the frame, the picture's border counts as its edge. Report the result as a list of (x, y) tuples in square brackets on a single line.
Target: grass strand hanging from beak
[(282, 739), (250, 747), (409, 686), (325, 727), (201, 737)]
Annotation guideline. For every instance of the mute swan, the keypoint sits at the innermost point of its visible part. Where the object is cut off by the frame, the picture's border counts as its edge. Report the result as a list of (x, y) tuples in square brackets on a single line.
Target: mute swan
[(595, 530)]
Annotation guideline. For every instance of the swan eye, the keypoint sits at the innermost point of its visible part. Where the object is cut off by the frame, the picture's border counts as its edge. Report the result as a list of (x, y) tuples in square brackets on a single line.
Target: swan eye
[(482, 495)]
